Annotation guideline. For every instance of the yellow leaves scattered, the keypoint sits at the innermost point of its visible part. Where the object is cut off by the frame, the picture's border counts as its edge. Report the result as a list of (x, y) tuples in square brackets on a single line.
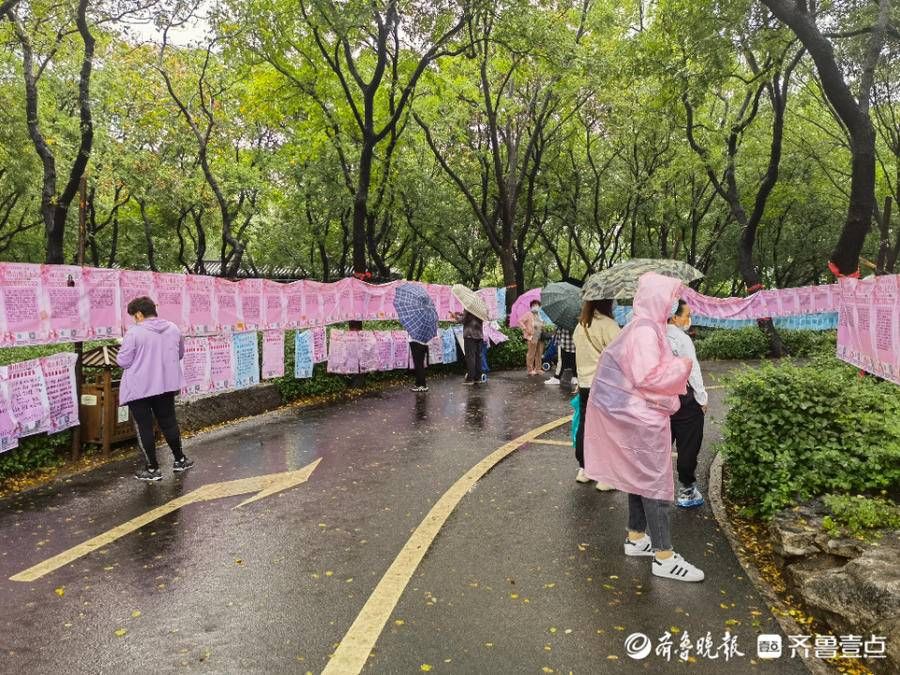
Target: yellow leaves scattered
[(135, 614), (60, 591), (329, 573), (553, 630), (399, 622), (425, 667), (120, 632), (514, 596), (612, 657), (488, 644), (547, 670), (732, 622), (551, 585), (613, 577), (723, 605), (238, 561), (674, 630)]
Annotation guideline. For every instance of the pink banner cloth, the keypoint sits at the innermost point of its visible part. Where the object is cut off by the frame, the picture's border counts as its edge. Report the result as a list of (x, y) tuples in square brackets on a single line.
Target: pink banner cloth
[(869, 325)]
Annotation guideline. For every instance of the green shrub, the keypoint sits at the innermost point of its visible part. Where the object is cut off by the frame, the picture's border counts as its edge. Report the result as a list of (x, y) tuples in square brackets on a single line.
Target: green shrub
[(752, 343), (858, 514), (797, 432), (34, 452)]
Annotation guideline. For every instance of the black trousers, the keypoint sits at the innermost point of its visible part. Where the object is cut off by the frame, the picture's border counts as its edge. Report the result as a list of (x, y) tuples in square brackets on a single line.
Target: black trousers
[(566, 360), (687, 434), (419, 354), (473, 359), (162, 407), (583, 394)]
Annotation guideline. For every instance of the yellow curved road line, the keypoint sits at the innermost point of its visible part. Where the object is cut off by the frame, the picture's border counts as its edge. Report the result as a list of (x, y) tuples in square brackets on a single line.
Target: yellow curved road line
[(353, 651)]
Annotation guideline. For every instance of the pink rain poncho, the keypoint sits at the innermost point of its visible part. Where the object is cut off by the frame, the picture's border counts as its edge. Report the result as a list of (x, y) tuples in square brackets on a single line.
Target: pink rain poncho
[(627, 437)]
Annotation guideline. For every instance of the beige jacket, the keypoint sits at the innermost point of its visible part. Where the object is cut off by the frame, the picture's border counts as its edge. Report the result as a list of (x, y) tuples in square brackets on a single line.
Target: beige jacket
[(589, 343)]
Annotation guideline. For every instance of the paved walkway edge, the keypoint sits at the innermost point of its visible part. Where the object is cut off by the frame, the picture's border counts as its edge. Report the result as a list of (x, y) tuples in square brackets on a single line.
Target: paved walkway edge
[(776, 606)]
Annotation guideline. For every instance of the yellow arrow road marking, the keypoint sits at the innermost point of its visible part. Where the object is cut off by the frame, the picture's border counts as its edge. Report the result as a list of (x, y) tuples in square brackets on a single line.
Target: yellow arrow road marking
[(354, 649), (264, 485)]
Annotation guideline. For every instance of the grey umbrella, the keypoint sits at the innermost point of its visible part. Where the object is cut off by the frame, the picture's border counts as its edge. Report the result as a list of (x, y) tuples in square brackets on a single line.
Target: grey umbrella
[(620, 281), (561, 301)]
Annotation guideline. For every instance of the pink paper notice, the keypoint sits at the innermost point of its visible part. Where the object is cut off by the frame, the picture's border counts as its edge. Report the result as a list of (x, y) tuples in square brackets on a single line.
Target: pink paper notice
[(295, 305), (251, 299), (27, 391), (320, 346), (201, 304), (64, 301), (133, 285), (196, 366), (170, 290), (20, 301), (59, 377), (221, 361), (229, 306), (399, 350), (274, 305), (273, 354), (104, 302)]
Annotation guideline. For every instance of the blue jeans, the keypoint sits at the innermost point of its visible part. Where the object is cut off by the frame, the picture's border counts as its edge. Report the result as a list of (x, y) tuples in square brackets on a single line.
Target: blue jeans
[(650, 516)]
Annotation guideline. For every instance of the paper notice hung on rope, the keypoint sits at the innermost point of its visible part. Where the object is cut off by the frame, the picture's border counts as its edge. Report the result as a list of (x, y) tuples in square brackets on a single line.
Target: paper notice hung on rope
[(343, 352), (436, 349), (196, 366), (134, 284), (368, 351), (384, 350), (869, 325), (20, 305), (246, 359), (64, 302), (295, 305), (228, 304), (27, 392), (273, 354), (320, 345), (170, 292), (8, 426), (303, 355), (59, 379), (103, 302), (449, 345), (221, 363), (250, 294), (201, 304), (399, 350), (274, 306)]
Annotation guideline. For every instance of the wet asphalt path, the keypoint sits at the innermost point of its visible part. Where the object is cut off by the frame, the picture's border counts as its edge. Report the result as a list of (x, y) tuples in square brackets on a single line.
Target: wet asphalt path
[(527, 575)]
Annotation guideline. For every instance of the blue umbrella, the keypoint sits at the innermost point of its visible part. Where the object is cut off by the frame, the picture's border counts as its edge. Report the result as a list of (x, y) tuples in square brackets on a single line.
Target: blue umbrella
[(416, 312)]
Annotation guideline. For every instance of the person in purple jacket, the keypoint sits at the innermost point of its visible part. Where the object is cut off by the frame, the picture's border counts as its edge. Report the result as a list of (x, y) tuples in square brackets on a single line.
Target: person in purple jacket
[(150, 357)]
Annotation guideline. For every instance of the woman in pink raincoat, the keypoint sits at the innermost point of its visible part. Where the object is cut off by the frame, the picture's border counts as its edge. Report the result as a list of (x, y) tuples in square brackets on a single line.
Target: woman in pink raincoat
[(627, 442)]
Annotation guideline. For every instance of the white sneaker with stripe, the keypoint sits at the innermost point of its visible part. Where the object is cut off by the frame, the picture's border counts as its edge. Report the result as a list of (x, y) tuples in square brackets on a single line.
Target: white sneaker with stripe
[(640, 548), (676, 567)]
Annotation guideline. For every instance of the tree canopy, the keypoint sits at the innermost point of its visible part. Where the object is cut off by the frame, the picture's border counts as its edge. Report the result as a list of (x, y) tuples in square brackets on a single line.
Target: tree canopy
[(508, 142)]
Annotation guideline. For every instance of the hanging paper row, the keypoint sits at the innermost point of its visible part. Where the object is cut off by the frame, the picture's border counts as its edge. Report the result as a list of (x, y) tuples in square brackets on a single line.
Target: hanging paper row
[(63, 303)]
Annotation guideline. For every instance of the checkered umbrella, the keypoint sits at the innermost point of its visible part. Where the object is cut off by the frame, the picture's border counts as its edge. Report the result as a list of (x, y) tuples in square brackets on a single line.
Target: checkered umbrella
[(473, 303), (620, 281), (416, 312)]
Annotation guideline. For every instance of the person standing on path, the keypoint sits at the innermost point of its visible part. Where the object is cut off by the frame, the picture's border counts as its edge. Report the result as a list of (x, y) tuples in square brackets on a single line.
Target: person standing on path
[(419, 353), (687, 423), (565, 346), (627, 435), (596, 329), (532, 330), (150, 357), (473, 343)]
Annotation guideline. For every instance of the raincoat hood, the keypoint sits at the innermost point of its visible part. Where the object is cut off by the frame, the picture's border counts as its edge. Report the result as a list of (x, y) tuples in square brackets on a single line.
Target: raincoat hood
[(654, 297)]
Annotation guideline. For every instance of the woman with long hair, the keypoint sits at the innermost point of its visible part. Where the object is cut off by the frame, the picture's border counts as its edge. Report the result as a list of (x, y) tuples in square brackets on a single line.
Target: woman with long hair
[(595, 330)]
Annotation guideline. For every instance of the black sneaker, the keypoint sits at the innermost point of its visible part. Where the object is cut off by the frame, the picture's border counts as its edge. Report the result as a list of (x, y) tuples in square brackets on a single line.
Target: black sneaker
[(149, 475), (182, 464)]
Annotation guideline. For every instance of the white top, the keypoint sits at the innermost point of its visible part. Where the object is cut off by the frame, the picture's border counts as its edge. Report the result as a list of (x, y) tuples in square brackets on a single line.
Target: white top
[(682, 345)]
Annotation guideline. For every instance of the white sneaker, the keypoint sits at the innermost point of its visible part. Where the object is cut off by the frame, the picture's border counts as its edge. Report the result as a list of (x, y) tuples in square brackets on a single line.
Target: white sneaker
[(640, 548), (603, 487), (677, 568), (552, 380), (574, 383), (582, 477)]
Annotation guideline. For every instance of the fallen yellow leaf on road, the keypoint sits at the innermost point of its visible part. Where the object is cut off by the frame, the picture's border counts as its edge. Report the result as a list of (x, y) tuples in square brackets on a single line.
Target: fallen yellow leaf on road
[(135, 614), (61, 591), (121, 632)]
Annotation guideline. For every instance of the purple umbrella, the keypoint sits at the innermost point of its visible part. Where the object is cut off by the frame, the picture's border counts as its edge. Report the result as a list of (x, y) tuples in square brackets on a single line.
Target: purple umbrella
[(522, 306)]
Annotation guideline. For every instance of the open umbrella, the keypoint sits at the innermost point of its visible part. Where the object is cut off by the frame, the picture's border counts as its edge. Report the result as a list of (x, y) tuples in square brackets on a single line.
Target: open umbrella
[(416, 312), (472, 302), (522, 306), (562, 303), (620, 281)]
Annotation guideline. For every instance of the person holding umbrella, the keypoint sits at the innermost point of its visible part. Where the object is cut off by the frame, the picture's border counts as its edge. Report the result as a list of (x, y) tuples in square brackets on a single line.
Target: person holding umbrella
[(562, 303), (627, 436), (418, 316), (473, 316)]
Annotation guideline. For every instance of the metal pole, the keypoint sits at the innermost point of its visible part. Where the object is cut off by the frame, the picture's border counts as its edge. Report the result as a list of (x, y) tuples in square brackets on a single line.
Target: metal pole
[(79, 346)]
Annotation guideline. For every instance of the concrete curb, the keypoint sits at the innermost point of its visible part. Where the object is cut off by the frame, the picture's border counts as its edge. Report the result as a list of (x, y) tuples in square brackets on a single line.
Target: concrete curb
[(776, 606)]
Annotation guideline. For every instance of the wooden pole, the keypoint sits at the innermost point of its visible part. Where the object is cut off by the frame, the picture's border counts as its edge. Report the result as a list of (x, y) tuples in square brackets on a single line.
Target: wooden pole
[(79, 346)]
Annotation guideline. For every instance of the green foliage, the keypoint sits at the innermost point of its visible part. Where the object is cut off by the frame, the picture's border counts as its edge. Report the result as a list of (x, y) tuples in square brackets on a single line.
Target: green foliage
[(859, 514), (752, 343), (34, 452), (797, 432)]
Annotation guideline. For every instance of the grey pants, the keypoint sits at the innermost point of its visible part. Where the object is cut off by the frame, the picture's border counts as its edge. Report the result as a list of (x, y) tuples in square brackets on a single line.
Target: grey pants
[(650, 516)]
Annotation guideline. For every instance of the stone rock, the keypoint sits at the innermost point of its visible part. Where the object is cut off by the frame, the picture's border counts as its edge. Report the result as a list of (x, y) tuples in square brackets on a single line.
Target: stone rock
[(802, 570), (794, 532), (891, 630), (844, 547), (861, 595)]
